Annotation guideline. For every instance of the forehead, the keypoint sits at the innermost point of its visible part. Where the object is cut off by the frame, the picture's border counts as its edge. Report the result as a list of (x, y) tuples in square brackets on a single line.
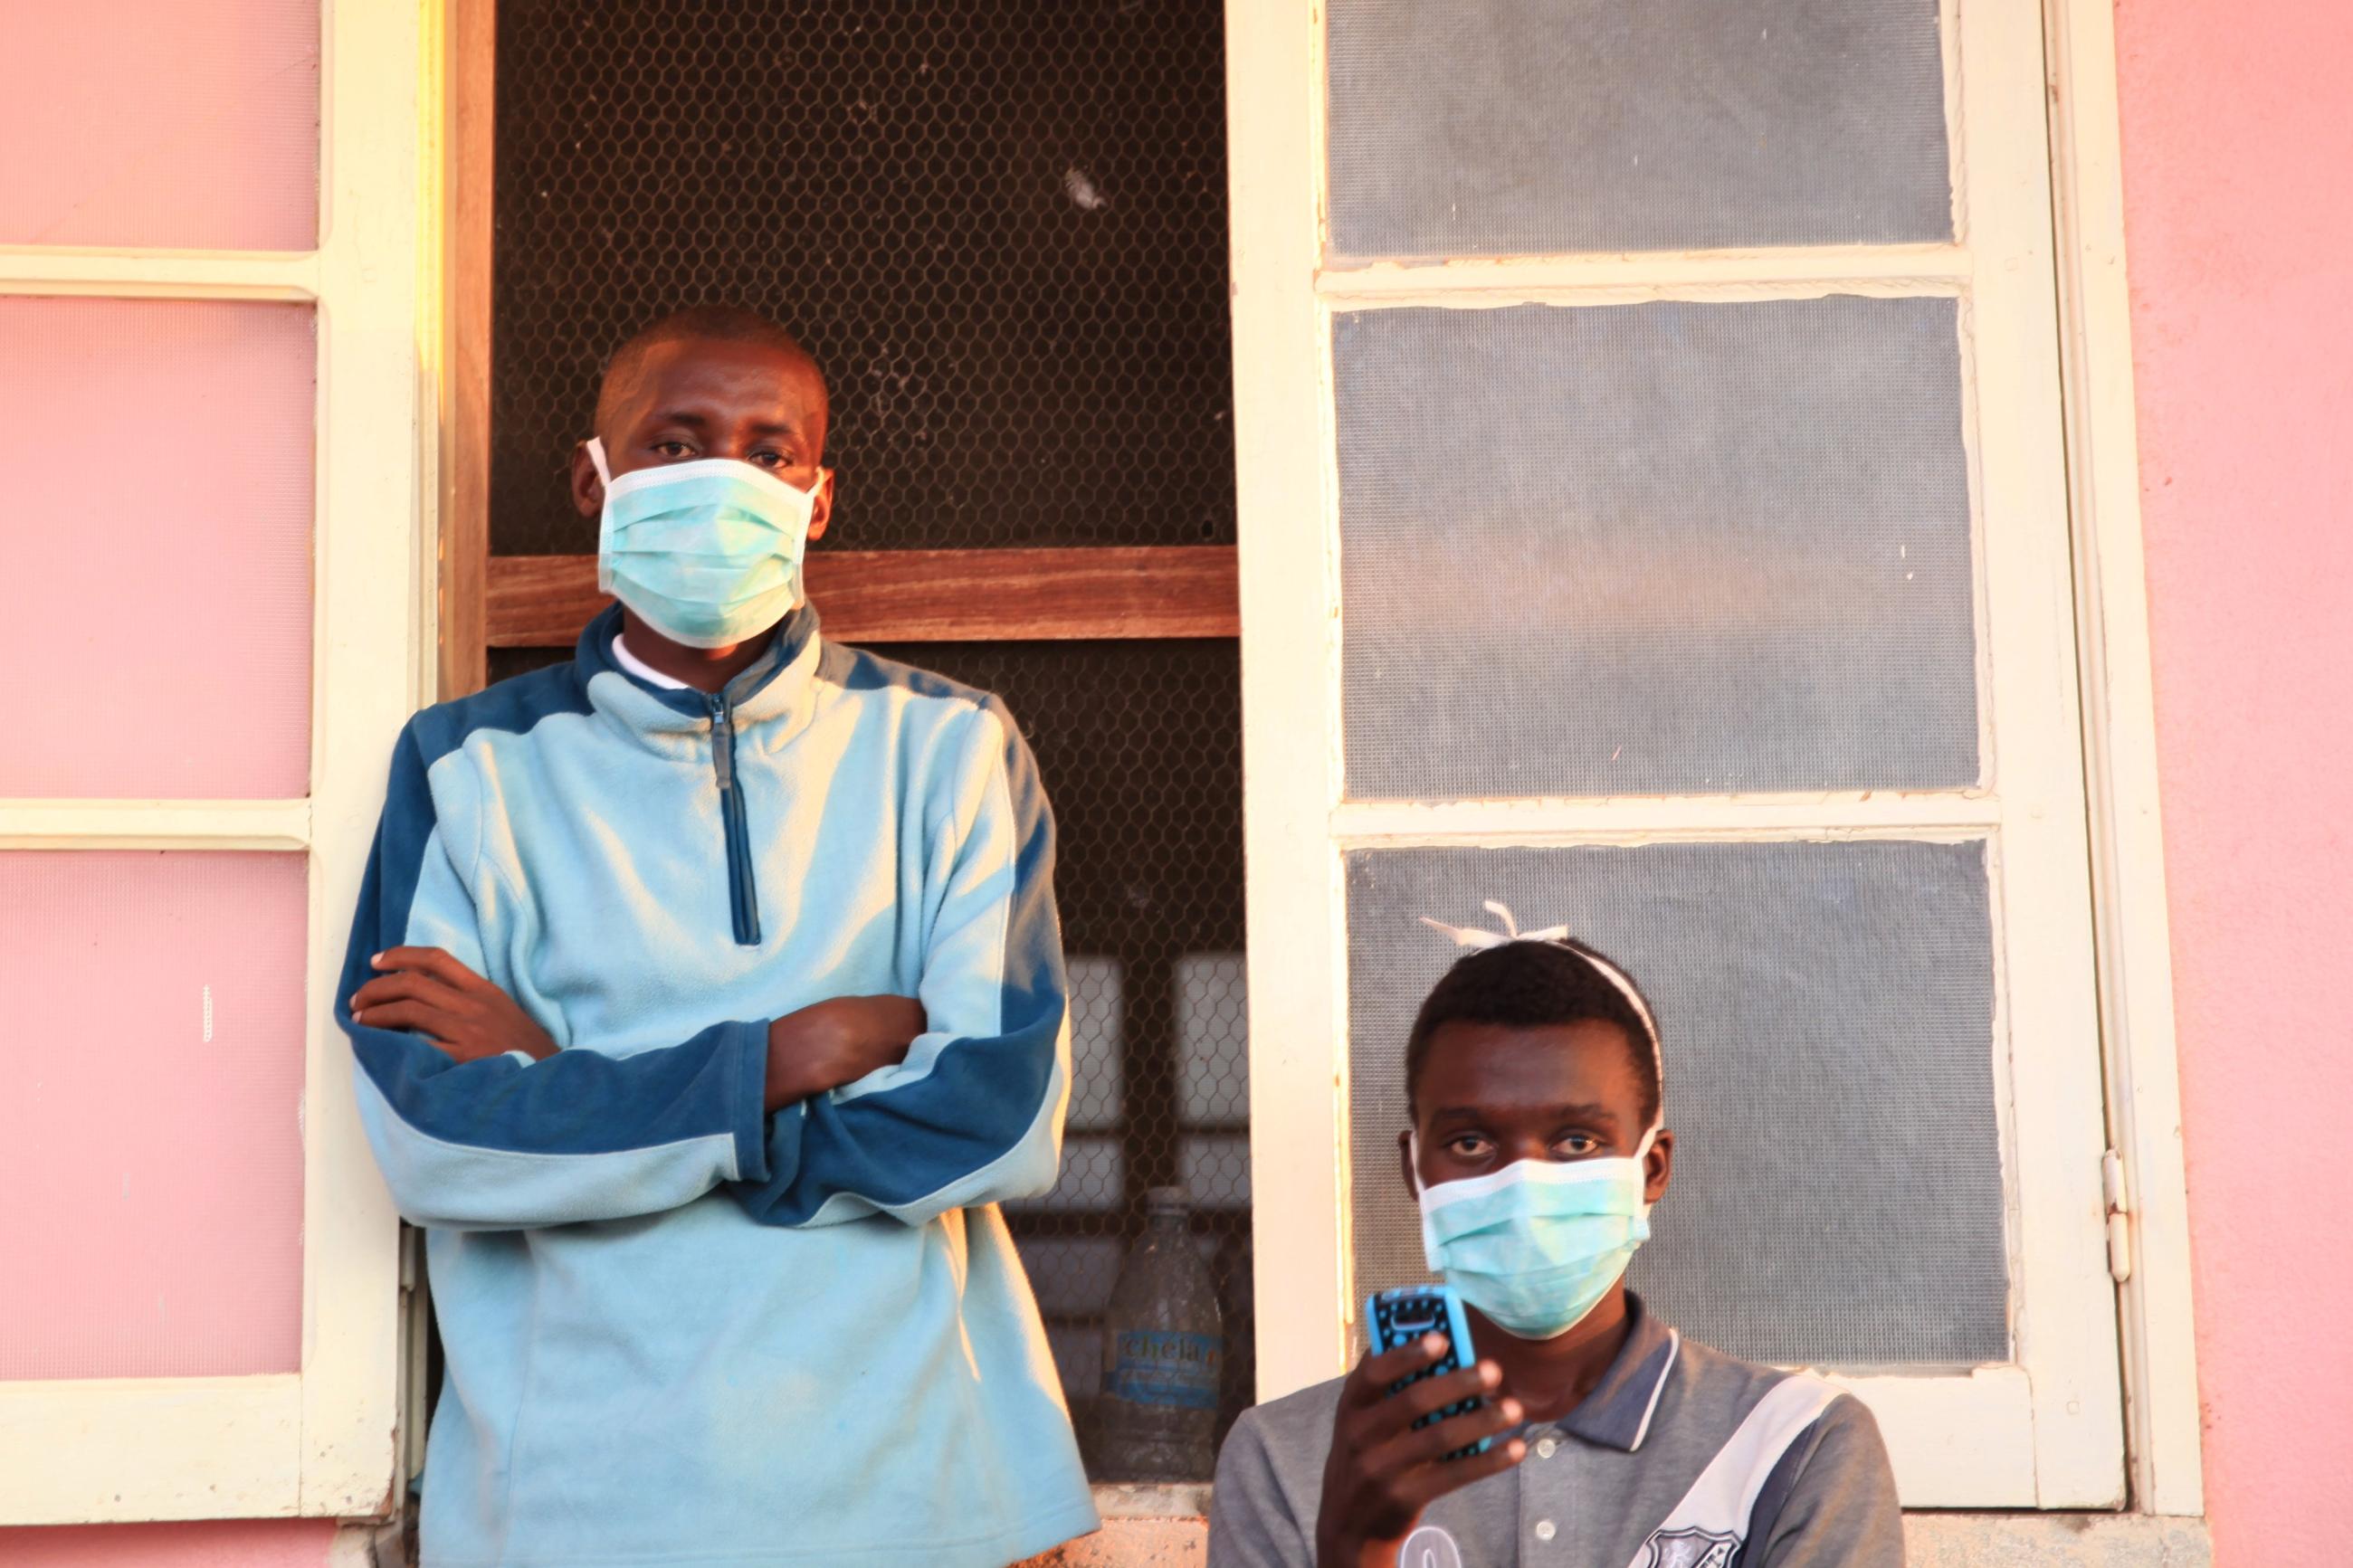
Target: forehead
[(725, 381), (1530, 1068)]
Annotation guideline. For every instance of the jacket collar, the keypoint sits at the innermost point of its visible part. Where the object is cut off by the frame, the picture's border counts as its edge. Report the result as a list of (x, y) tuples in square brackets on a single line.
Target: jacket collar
[(772, 694), (1618, 1412)]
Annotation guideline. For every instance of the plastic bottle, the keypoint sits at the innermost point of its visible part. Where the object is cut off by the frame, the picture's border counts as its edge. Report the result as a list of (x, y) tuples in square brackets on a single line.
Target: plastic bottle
[(1164, 1353)]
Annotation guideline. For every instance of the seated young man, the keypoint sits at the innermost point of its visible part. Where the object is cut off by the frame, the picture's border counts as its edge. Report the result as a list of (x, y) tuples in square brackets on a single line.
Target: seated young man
[(708, 997), (1535, 1080)]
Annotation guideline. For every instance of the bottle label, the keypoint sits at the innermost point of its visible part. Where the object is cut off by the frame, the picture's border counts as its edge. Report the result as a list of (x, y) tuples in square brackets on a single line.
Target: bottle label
[(1153, 1366)]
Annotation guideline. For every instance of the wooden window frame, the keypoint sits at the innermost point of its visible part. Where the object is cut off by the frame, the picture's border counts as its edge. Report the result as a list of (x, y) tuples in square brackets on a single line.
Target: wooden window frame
[(2058, 1447), (319, 1441)]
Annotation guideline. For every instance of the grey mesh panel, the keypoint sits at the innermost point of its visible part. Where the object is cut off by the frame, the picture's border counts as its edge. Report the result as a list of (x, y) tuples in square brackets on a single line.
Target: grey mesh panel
[(1658, 548), (1826, 1011), (1499, 127)]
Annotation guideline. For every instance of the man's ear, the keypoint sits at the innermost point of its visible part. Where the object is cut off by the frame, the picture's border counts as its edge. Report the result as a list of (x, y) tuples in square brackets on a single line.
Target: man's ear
[(821, 504), (1405, 1163), (1658, 1166), (588, 490)]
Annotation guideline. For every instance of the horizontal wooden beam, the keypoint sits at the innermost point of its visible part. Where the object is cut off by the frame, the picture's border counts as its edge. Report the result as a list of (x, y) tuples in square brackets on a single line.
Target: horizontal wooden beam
[(930, 596)]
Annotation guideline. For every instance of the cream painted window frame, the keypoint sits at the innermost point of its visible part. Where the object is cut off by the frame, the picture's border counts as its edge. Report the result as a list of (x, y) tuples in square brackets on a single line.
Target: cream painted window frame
[(323, 1440), (2040, 1432), (2135, 953)]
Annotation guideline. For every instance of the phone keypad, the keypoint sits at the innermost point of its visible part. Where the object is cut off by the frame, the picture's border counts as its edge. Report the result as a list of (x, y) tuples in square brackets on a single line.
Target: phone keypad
[(1407, 1319)]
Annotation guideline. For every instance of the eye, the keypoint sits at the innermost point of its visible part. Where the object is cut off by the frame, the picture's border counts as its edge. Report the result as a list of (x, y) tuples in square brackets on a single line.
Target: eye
[(1470, 1145), (673, 451), (768, 458), (1575, 1146)]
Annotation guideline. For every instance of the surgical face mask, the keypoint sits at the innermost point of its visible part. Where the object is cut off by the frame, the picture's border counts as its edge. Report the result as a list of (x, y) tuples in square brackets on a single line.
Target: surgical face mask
[(709, 553), (1537, 1245)]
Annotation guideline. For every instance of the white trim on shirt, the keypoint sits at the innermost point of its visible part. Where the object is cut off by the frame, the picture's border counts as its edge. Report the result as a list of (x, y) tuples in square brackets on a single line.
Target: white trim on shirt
[(640, 668)]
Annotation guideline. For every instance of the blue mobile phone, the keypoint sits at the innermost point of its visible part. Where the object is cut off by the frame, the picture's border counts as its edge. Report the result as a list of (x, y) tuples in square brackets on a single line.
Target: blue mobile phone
[(1399, 1317)]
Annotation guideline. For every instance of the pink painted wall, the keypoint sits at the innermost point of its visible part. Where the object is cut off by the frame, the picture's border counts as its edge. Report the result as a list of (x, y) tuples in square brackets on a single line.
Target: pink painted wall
[(150, 1166), (233, 1543), (2238, 140), (2237, 123)]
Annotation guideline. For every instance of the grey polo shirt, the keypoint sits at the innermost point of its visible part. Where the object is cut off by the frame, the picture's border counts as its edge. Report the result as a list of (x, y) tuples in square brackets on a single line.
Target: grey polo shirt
[(1681, 1457)]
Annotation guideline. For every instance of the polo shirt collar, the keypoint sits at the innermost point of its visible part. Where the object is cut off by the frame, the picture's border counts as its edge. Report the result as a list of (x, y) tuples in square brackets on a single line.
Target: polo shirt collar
[(1616, 1414)]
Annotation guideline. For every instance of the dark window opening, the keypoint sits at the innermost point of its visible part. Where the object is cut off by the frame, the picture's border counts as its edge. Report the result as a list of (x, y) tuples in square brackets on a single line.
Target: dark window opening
[(1002, 230)]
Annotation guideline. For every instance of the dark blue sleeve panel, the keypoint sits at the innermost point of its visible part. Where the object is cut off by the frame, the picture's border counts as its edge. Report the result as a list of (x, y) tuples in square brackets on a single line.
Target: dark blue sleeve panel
[(974, 1114), (507, 1142)]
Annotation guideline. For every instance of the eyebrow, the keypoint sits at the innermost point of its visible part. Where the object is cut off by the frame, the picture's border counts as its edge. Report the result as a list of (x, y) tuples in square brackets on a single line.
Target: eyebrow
[(758, 429), (1562, 1112)]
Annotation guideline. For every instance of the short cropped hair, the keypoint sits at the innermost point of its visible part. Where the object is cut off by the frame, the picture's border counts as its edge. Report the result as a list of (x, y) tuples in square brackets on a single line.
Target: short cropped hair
[(712, 323), (1534, 984)]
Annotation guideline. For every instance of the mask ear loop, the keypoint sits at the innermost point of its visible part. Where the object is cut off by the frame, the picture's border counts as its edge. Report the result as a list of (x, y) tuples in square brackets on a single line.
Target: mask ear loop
[(595, 446)]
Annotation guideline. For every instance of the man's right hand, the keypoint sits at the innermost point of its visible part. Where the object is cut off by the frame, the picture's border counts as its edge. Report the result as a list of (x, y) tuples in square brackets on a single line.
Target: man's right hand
[(1382, 1473), (828, 1044)]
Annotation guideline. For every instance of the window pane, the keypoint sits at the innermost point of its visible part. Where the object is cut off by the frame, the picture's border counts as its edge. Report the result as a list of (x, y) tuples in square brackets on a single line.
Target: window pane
[(158, 534), (1489, 127), (151, 1102), (192, 127), (1827, 1013), (1649, 549)]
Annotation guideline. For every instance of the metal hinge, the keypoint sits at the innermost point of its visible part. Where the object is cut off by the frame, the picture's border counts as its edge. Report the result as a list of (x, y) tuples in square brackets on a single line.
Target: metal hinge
[(2119, 1201)]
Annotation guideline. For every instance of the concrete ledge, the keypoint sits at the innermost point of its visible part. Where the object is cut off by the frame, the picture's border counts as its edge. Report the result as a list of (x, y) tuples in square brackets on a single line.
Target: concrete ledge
[(2056, 1541), (1152, 1499), (1134, 1543)]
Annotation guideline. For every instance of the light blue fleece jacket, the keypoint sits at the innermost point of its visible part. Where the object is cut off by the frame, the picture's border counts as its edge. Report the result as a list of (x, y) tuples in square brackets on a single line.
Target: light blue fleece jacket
[(680, 1331)]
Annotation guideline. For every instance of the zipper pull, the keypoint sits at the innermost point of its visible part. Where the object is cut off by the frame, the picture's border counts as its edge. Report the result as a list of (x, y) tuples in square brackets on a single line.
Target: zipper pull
[(722, 741)]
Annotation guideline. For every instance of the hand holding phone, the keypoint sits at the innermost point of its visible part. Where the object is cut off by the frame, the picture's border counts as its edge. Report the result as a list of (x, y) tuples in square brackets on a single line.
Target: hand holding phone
[(1395, 1318), (1406, 1433)]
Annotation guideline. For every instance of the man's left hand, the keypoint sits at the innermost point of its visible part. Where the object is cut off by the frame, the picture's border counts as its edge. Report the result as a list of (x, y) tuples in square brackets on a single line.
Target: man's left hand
[(429, 993)]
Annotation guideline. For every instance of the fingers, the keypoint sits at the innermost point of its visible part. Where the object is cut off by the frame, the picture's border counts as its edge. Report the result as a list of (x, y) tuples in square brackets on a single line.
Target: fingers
[(1432, 1482), (1417, 1400), (1377, 1374), (1427, 1445), (419, 1018), (407, 986), (430, 960)]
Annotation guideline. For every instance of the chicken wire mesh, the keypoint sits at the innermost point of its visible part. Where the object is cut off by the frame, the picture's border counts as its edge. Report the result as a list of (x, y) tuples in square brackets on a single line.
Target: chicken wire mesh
[(1000, 229)]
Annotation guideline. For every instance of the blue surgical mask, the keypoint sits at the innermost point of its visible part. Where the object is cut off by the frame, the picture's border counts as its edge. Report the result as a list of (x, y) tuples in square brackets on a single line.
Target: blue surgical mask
[(1537, 1245), (709, 553)]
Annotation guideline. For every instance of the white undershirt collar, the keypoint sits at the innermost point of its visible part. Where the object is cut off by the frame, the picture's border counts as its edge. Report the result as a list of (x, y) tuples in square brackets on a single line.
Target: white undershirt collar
[(641, 670)]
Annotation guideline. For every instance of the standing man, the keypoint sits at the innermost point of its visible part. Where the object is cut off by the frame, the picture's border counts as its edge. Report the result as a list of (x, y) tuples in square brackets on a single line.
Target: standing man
[(708, 998)]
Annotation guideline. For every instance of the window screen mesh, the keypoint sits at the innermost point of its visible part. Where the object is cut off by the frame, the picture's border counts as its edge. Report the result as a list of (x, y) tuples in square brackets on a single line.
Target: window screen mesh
[(1000, 229), (1139, 744), (1828, 1018)]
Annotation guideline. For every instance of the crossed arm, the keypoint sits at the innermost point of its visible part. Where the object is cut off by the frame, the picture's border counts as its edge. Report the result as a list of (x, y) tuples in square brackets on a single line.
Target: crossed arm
[(856, 1106), (825, 1046)]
